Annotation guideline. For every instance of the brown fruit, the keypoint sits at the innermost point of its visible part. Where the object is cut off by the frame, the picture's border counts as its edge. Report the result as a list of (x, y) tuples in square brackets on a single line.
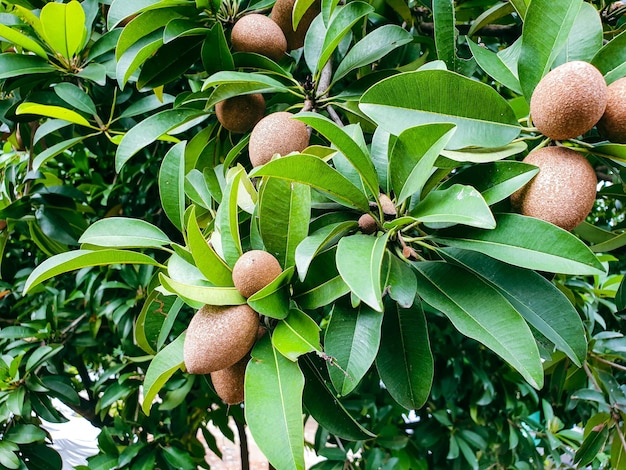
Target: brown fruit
[(239, 114), (254, 270), (229, 382), (367, 224), (218, 337), (613, 122), (276, 133), (569, 100), (282, 15), (386, 204), (564, 190), (258, 33)]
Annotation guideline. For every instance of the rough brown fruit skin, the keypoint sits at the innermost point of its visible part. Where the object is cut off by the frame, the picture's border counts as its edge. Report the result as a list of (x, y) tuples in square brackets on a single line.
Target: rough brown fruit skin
[(218, 337), (281, 14), (388, 207), (229, 382), (276, 133), (613, 122), (239, 114), (569, 100), (254, 270), (258, 33), (564, 190), (367, 224)]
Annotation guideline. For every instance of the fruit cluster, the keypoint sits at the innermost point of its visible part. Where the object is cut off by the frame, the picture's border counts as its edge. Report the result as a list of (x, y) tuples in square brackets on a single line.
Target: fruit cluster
[(568, 102)]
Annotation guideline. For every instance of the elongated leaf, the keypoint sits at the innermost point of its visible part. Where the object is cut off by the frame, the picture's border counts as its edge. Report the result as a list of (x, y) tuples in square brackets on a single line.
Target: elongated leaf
[(121, 9), (490, 16), (400, 281), (359, 261), (494, 66), (611, 59), (15, 37), (261, 82), (136, 55), (155, 311), (78, 259), (16, 65), (142, 25), (205, 295), (64, 27), (541, 303), (227, 220), (480, 312), (172, 184), (529, 243), (546, 28), (161, 368), (296, 335), (57, 149), (76, 97), (215, 53), (122, 232), (483, 118), (25, 434), (273, 391), (405, 362), (591, 446), (55, 112), (323, 284), (445, 32), (273, 300), (485, 155), (316, 173), (585, 38)]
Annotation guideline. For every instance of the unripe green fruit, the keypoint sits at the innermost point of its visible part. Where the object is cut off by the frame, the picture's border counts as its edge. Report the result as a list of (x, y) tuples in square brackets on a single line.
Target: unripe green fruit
[(276, 133), (258, 33), (254, 270), (239, 114), (613, 122), (282, 13)]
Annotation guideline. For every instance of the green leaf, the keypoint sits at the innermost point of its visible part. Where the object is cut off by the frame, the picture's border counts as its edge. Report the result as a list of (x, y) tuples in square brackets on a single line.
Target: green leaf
[(547, 26), (227, 219), (172, 184), (529, 243), (260, 83), (273, 300), (142, 25), (284, 211), (273, 391), (138, 53), (457, 204), (352, 338), (55, 150), (323, 284), (401, 282), (494, 65), (485, 155), (372, 47), (178, 458), (55, 112), (149, 130), (161, 368), (413, 156), (41, 354), (445, 32), (591, 446), (25, 434), (17, 65), (316, 173), (610, 60), (321, 402), (75, 97), (490, 16), (296, 335), (19, 39), (405, 362), (64, 27), (202, 294), (539, 301), (123, 232), (480, 312), (483, 118), (170, 62), (8, 458), (215, 53), (78, 259), (359, 261), (585, 37)]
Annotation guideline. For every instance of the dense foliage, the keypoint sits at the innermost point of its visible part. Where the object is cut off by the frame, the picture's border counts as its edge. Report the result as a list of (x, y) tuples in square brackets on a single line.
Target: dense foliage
[(459, 334)]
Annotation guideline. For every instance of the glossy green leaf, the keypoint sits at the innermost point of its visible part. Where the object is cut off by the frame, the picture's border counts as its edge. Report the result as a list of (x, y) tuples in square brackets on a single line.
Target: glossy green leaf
[(485, 155), (494, 65), (611, 59), (401, 282), (182, 27), (202, 294), (172, 184), (359, 261), (16, 65), (405, 362), (25, 434), (284, 211), (300, 7), (480, 312), (618, 455), (137, 54), (78, 259), (42, 354), (63, 26), (124, 232), (8, 457), (263, 83), (142, 25), (352, 339), (529, 243), (491, 16), (273, 300), (323, 284), (541, 303), (122, 9), (445, 33), (457, 204), (227, 220), (591, 446), (19, 39), (296, 335), (43, 157), (585, 37), (75, 97), (215, 53), (483, 118), (273, 391), (156, 309), (413, 156), (547, 26), (55, 112), (316, 173), (161, 368)]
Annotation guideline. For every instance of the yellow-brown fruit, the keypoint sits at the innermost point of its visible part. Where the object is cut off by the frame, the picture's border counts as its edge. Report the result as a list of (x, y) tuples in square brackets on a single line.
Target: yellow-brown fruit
[(258, 33), (239, 114), (218, 337), (254, 270), (276, 133), (387, 205), (613, 122), (229, 382), (282, 15), (569, 100), (564, 190), (367, 224)]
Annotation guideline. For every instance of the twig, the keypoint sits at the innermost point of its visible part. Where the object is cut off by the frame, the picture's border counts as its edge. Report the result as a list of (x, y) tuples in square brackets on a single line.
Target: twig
[(591, 377), (610, 363), (243, 445), (334, 116)]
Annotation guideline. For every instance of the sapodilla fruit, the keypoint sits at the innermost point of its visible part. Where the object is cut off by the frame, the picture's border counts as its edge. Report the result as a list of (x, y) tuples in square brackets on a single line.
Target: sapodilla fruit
[(613, 122), (254, 270), (282, 12), (218, 337), (258, 33), (229, 383), (569, 100), (239, 114), (367, 224), (564, 190), (276, 133)]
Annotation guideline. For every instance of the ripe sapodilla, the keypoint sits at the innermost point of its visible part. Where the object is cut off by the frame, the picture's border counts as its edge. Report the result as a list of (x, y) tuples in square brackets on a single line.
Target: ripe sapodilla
[(254, 270), (276, 133), (240, 113), (613, 122), (258, 33), (569, 100), (282, 14), (564, 190), (229, 383), (218, 337)]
